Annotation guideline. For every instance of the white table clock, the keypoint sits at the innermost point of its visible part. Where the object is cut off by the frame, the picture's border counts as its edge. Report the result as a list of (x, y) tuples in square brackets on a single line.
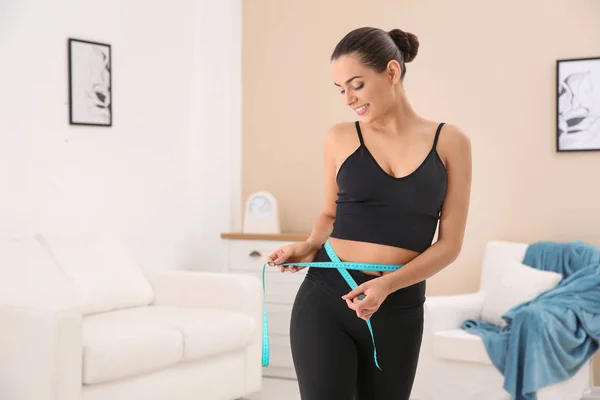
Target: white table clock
[(261, 214)]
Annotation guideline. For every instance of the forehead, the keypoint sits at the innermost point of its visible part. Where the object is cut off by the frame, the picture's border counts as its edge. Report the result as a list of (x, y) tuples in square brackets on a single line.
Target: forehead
[(346, 67)]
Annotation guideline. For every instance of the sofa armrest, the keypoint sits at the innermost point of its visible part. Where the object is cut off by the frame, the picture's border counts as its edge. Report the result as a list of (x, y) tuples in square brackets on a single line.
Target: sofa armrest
[(197, 289), (40, 353), (449, 312)]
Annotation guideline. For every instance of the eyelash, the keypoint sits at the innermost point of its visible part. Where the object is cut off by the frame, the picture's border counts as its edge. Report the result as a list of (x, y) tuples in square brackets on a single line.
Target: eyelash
[(356, 88)]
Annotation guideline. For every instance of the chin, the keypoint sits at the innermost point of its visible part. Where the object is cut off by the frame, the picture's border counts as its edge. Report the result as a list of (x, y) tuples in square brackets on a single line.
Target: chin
[(367, 118)]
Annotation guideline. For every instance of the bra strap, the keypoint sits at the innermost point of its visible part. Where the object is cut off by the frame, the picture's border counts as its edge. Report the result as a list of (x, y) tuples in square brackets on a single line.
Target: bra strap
[(362, 143), (437, 134)]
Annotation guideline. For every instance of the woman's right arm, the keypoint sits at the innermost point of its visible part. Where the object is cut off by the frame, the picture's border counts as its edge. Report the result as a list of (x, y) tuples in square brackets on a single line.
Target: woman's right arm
[(323, 226)]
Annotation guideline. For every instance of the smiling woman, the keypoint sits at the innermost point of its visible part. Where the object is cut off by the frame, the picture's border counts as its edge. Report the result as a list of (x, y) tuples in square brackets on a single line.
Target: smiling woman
[(392, 178)]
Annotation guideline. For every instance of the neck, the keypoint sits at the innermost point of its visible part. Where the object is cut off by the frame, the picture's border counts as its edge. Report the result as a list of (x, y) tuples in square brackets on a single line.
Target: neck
[(399, 120)]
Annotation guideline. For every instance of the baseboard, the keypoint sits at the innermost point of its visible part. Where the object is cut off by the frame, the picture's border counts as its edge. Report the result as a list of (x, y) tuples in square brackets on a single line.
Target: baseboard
[(277, 372), (595, 395)]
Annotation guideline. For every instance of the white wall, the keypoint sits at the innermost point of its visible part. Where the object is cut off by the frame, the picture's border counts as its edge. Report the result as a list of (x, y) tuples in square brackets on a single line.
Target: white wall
[(164, 173)]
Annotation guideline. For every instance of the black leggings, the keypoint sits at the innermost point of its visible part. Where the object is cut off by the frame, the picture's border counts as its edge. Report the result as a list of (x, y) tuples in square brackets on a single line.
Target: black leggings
[(332, 348)]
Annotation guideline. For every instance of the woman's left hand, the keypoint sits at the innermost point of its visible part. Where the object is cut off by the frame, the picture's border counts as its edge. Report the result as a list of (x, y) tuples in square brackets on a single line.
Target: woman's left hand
[(375, 292)]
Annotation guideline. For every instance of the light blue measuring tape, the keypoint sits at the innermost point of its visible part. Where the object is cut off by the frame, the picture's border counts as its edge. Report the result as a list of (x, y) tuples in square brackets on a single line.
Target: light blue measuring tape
[(343, 268)]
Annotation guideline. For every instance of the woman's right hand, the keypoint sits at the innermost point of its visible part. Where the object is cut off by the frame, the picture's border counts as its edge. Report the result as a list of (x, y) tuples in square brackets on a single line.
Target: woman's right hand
[(292, 253)]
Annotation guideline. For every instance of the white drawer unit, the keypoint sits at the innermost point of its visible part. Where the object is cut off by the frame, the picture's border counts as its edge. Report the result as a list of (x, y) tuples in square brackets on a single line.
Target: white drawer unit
[(247, 253)]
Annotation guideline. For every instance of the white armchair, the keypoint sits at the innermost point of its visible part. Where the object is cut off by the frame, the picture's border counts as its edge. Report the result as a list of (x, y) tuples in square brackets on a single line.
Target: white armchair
[(454, 364), (79, 320)]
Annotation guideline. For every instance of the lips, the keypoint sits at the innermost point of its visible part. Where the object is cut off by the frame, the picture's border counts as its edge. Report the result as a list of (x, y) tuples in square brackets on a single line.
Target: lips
[(362, 109)]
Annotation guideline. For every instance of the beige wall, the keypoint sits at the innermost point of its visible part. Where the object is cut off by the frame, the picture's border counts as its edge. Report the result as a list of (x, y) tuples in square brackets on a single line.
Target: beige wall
[(488, 67)]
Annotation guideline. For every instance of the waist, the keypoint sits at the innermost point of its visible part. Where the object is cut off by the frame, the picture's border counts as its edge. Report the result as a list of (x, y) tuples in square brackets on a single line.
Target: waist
[(330, 281), (359, 251)]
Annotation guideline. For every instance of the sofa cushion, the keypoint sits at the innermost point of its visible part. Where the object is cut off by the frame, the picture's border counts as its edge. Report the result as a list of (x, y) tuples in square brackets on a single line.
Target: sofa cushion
[(517, 284), (205, 332), (102, 271), (29, 277), (459, 345), (495, 256), (127, 342), (115, 349)]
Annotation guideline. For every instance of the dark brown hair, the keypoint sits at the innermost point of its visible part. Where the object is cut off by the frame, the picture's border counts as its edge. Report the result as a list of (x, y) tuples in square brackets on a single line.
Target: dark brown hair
[(377, 47)]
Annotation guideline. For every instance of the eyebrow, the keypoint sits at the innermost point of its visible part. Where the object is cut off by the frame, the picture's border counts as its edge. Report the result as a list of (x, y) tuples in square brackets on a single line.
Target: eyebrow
[(349, 80)]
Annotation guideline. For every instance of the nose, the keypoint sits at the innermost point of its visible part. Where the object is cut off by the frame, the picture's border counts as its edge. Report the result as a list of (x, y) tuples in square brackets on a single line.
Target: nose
[(349, 98)]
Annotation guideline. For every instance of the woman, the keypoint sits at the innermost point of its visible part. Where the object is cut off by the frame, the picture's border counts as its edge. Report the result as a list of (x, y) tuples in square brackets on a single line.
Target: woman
[(390, 178)]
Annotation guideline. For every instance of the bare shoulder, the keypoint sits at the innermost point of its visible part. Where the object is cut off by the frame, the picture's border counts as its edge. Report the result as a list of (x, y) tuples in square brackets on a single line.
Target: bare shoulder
[(342, 137), (453, 143), (340, 132)]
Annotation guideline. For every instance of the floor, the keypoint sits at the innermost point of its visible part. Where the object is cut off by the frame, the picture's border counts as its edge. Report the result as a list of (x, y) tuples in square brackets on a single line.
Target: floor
[(277, 389), (594, 396)]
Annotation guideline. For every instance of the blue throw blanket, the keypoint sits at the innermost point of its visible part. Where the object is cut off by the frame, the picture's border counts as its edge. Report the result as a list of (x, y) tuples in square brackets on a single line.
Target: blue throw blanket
[(549, 338)]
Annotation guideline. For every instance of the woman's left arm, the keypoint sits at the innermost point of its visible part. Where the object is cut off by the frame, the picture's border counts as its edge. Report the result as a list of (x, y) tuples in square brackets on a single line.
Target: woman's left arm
[(457, 154)]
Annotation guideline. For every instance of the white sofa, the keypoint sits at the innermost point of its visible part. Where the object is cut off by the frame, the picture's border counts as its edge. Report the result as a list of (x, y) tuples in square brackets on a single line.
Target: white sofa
[(80, 320), (454, 364)]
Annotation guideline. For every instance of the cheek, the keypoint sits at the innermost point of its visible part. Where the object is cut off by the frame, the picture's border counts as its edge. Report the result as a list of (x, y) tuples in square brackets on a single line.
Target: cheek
[(368, 95), (375, 96)]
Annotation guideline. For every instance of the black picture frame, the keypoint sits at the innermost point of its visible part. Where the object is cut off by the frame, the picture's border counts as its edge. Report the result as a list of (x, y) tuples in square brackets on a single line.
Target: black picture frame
[(90, 83), (578, 104)]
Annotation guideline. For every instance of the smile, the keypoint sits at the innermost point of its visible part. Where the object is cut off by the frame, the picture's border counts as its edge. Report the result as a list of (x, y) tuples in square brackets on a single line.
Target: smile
[(362, 109)]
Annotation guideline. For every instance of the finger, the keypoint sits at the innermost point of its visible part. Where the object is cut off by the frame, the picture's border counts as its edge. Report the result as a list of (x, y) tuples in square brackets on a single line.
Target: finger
[(271, 258), (354, 304), (367, 316), (353, 293), (360, 304), (351, 305), (281, 256), (357, 303), (366, 304), (276, 257), (365, 313)]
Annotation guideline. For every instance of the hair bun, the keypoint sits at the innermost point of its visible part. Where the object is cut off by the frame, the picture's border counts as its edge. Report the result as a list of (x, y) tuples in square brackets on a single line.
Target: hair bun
[(407, 42)]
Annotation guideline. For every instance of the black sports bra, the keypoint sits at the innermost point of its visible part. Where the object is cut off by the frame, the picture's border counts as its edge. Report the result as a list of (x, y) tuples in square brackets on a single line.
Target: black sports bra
[(376, 207)]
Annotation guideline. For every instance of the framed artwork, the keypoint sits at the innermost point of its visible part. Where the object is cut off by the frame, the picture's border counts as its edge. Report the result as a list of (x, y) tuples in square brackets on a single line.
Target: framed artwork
[(90, 83), (578, 104)]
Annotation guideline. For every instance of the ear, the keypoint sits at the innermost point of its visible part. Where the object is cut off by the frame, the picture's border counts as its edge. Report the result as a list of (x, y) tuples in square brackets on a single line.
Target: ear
[(394, 71)]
